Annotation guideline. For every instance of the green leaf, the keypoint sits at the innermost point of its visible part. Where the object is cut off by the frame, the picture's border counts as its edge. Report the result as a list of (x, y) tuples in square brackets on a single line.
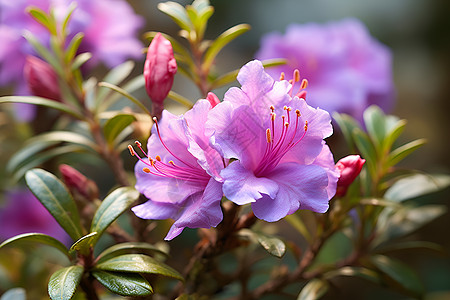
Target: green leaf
[(111, 208), (399, 272), (221, 41), (417, 185), (403, 151), (124, 248), (66, 136), (366, 149), (296, 222), (347, 124), (177, 47), (28, 151), (180, 99), (14, 294), (80, 60), (43, 102), (124, 284), (411, 245), (116, 76), (41, 17), (375, 122), (44, 52), (64, 282), (66, 20), (354, 272), (392, 135), (52, 193), (313, 290), (73, 46), (84, 243), (126, 94), (37, 238), (274, 246), (116, 125), (138, 263), (177, 13)]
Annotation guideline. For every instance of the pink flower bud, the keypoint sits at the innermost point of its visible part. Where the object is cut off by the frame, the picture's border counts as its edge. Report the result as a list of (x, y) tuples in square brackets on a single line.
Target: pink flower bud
[(349, 168), (76, 181), (159, 70), (41, 78), (213, 99)]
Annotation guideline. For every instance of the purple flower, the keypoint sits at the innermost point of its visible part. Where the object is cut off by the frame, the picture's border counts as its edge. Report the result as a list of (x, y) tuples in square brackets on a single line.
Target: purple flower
[(347, 69), (110, 27), (282, 163), (182, 178), (23, 213)]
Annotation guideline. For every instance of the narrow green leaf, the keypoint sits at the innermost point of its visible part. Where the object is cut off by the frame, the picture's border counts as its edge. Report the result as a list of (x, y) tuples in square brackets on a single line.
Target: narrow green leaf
[(177, 47), (403, 151), (375, 122), (346, 124), (43, 102), (411, 245), (37, 238), (221, 41), (354, 272), (274, 246), (73, 46), (392, 135), (116, 125), (417, 185), (28, 151), (126, 94), (68, 137), (399, 272), (111, 208), (124, 248), (180, 99), (124, 284), (64, 282), (80, 60), (298, 224), (14, 294), (138, 263), (66, 20), (84, 243), (116, 76), (313, 290), (366, 149), (52, 193), (177, 13), (44, 52), (41, 17)]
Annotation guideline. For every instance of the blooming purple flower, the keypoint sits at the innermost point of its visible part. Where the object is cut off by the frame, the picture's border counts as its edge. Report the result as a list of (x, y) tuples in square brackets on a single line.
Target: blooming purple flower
[(282, 163), (347, 69), (110, 27), (23, 213), (182, 180)]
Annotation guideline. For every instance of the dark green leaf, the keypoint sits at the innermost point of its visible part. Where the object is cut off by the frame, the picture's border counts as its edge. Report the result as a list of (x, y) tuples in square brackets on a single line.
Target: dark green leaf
[(80, 60), (416, 185), (28, 151), (272, 245), (296, 222), (355, 272), (138, 263), (124, 248), (64, 282), (116, 125), (111, 208), (403, 151), (221, 41), (399, 272), (37, 238), (43, 102), (14, 294), (366, 149), (375, 122), (124, 284), (52, 193), (83, 244), (347, 124), (411, 245), (177, 12), (116, 76), (313, 290)]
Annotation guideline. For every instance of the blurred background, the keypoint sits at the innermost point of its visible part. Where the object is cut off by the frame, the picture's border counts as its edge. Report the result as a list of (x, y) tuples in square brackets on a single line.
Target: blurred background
[(417, 31)]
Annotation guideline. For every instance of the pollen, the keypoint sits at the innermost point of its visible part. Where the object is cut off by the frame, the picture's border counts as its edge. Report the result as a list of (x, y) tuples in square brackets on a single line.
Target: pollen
[(171, 162), (298, 113), (146, 170), (304, 84), (158, 158), (268, 135), (306, 125), (138, 143), (296, 75), (282, 76), (131, 150)]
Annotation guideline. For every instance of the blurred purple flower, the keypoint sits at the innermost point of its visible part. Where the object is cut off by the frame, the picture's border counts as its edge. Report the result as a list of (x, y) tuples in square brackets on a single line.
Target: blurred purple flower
[(182, 180), (110, 28), (23, 213), (347, 69), (282, 163)]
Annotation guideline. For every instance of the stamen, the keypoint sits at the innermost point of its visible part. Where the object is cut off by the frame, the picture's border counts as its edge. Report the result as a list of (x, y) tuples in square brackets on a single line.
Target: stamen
[(306, 125), (146, 170), (296, 75), (298, 113), (158, 158), (131, 150), (282, 76), (304, 84), (268, 136)]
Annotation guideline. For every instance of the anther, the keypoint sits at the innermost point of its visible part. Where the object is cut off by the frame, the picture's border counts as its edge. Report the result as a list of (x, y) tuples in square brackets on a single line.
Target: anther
[(306, 125), (268, 136), (304, 84), (296, 75), (138, 143), (171, 162), (282, 76), (158, 158), (131, 150), (146, 170), (297, 112)]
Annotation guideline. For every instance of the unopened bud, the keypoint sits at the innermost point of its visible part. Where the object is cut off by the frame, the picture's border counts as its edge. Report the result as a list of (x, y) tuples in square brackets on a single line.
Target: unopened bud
[(41, 78), (78, 182), (159, 71), (213, 99), (349, 168)]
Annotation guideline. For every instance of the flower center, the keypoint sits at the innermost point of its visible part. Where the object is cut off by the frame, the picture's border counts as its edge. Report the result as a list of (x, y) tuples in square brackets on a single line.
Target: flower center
[(279, 143), (169, 169)]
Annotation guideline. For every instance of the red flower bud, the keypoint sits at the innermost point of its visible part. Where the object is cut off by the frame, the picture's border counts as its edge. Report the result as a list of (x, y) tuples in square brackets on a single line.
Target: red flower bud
[(213, 99), (349, 168), (159, 70), (76, 181), (41, 78)]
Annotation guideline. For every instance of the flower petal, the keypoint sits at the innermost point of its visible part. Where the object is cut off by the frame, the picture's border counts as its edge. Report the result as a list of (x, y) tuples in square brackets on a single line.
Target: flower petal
[(271, 210), (242, 187), (156, 210)]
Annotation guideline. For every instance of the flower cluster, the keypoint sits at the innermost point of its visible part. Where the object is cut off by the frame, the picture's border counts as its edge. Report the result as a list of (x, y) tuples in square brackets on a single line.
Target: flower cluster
[(261, 145), (348, 69)]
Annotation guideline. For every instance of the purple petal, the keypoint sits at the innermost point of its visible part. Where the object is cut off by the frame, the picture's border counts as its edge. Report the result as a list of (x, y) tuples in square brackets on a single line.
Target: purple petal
[(326, 161), (156, 210), (271, 210), (174, 232), (242, 187)]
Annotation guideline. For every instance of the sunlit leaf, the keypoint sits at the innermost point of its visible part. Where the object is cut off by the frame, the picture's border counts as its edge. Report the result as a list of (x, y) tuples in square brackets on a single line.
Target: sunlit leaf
[(392, 135), (80, 60), (138, 263), (354, 272), (67, 18), (116, 125), (346, 124), (52, 193), (84, 243), (124, 248), (314, 290), (44, 52), (41, 16), (64, 282), (399, 272), (366, 148), (116, 76), (177, 13), (124, 284), (36, 238), (403, 151), (126, 94), (73, 46), (14, 294), (274, 246), (111, 208), (375, 122)]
